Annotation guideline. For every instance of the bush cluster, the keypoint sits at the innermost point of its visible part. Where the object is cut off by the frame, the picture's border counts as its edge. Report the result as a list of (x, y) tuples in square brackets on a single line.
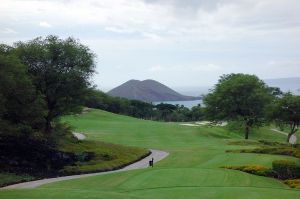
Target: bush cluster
[(32, 156), (295, 183), (282, 169), (286, 169)]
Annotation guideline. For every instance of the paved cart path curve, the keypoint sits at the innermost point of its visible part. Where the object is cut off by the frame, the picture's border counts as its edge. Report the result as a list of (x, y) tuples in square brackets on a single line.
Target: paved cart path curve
[(141, 164)]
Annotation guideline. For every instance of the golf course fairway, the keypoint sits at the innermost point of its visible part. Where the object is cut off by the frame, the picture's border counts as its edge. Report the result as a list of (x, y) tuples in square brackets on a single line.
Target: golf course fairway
[(192, 170)]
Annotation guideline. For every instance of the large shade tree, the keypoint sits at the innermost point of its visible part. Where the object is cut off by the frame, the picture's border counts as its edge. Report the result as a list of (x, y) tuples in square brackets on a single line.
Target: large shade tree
[(238, 97), (60, 69), (286, 112), (22, 109)]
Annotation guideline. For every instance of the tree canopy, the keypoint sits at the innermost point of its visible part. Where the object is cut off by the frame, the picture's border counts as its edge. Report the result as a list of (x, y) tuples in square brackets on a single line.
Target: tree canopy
[(286, 111), (40, 80), (238, 97), (22, 109), (60, 71)]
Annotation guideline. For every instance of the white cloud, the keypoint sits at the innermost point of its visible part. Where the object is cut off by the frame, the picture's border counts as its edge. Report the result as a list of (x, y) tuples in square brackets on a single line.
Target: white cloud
[(153, 37), (8, 31), (45, 24), (118, 30), (185, 68), (217, 20)]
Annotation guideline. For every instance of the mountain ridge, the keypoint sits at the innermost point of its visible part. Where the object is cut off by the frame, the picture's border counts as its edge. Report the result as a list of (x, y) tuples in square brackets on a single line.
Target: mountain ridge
[(149, 91)]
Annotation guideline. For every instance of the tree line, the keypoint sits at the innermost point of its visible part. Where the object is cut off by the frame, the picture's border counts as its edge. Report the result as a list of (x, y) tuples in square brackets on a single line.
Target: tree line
[(142, 110)]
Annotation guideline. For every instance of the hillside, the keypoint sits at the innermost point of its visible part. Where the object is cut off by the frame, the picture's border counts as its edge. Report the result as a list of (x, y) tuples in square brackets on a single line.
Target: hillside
[(148, 91)]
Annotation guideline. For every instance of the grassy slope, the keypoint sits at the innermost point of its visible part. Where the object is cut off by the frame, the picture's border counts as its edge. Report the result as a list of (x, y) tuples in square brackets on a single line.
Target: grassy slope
[(106, 156), (191, 171)]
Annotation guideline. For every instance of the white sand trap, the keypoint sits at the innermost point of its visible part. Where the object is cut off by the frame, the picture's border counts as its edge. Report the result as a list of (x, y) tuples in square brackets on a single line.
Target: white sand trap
[(79, 136), (203, 123), (189, 125)]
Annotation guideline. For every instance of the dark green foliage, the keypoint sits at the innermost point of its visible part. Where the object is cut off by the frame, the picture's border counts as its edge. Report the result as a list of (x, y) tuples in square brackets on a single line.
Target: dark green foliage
[(25, 154), (60, 70), (238, 97), (285, 111), (97, 99), (286, 169), (21, 108), (196, 113), (164, 111)]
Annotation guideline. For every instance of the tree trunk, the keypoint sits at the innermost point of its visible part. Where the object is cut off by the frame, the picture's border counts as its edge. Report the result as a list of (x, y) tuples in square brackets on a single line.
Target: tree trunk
[(289, 137), (246, 132), (293, 130), (48, 124)]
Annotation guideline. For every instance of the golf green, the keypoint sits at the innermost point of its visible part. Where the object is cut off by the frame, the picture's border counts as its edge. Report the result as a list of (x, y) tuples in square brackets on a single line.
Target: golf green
[(192, 170)]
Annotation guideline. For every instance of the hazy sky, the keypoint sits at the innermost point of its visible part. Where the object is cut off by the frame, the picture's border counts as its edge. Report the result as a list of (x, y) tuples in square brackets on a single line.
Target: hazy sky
[(182, 43)]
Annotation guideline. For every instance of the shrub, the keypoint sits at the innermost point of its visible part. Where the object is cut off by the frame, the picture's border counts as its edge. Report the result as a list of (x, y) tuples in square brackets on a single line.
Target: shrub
[(253, 169), (293, 183), (286, 169)]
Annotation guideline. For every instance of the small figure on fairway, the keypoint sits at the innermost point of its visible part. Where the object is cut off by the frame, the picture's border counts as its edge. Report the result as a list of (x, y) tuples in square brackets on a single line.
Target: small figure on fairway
[(151, 162)]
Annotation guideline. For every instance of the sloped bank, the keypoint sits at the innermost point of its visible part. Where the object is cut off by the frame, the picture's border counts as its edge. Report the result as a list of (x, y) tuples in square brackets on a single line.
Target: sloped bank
[(156, 155)]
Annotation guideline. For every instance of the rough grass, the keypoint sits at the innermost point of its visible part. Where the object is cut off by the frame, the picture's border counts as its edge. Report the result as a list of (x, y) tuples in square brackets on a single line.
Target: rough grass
[(295, 183), (95, 156), (267, 147), (253, 169)]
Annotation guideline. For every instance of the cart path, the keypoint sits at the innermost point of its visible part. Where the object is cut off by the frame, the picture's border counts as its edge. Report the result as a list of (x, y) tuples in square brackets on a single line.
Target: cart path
[(293, 138), (141, 164)]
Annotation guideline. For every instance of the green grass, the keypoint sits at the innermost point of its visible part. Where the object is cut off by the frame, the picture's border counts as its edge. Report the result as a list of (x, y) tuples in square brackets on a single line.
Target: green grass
[(192, 170)]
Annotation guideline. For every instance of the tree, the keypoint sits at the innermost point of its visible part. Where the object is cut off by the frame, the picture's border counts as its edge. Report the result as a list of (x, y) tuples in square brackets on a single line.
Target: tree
[(165, 111), (22, 109), (238, 97), (286, 111), (196, 113), (60, 70)]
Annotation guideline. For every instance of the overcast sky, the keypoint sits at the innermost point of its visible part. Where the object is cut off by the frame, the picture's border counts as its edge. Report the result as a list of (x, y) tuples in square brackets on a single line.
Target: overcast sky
[(181, 43)]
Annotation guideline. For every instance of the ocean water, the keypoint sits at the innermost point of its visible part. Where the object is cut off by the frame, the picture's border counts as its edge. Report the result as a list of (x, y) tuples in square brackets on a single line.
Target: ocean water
[(188, 104)]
